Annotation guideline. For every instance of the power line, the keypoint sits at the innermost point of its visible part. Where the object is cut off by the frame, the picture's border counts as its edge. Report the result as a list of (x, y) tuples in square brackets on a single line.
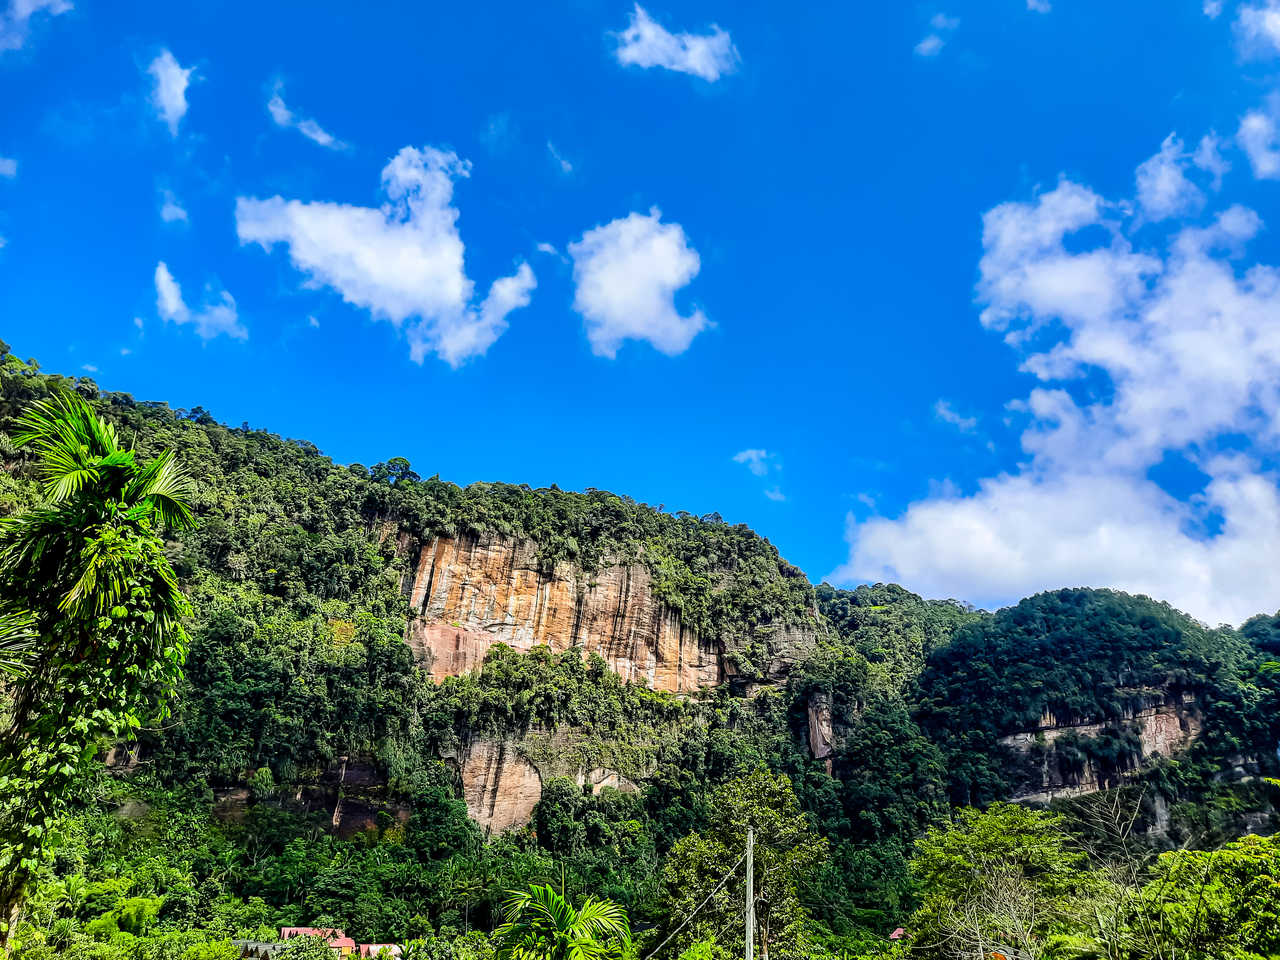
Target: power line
[(685, 922)]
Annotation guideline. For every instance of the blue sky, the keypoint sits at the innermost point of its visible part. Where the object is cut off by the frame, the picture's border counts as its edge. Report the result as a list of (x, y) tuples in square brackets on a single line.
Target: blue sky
[(971, 295)]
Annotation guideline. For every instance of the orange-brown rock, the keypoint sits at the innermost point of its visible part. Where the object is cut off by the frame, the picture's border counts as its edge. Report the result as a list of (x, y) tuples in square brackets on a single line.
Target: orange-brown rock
[(500, 786), (470, 593), (1162, 730)]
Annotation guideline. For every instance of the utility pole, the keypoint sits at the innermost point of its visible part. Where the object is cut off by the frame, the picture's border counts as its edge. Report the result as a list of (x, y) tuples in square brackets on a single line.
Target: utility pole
[(751, 893)]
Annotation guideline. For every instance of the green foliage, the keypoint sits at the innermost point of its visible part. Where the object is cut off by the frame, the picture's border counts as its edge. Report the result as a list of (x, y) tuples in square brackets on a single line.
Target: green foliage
[(1221, 903), (86, 571), (540, 924), (1001, 880), (1072, 656), (787, 851)]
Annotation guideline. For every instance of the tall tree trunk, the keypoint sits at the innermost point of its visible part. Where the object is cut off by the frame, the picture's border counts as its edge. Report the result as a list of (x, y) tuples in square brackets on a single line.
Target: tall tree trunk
[(11, 896)]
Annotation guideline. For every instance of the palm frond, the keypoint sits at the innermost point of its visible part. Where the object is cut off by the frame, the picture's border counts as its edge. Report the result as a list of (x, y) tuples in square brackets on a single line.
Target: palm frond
[(69, 438), (17, 642), (168, 487)]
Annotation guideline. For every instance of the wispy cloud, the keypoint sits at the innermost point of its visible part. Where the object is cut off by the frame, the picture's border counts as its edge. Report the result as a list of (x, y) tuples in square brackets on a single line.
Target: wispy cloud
[(169, 91), (941, 27), (15, 22), (948, 414), (757, 461), (565, 166), (217, 317), (646, 43), (8, 168), (171, 211), (282, 116)]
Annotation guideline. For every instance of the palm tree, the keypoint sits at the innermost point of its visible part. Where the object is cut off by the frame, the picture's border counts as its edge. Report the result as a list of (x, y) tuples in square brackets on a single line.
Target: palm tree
[(90, 618), (542, 925)]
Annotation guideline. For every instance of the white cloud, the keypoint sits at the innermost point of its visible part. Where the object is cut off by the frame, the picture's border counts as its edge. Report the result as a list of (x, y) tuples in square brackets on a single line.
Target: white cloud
[(217, 316), (171, 211), (1259, 139), (8, 167), (1212, 8), (775, 494), (1189, 342), (930, 46), (282, 116), (1039, 6), (1258, 28), (948, 414), (548, 249), (313, 323), (942, 27), (627, 273), (169, 94), (399, 261), (1163, 188), (1208, 157), (88, 368), (646, 43), (15, 21), (565, 165), (757, 461)]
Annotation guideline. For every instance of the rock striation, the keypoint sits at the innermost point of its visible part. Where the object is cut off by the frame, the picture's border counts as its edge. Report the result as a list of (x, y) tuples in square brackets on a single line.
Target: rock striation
[(469, 593), (1160, 729)]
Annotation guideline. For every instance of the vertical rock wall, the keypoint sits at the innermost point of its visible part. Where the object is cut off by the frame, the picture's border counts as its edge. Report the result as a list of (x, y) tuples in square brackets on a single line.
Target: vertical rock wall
[(468, 594)]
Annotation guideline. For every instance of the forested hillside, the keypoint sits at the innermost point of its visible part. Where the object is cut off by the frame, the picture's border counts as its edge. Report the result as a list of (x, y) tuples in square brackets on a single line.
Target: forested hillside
[(313, 771)]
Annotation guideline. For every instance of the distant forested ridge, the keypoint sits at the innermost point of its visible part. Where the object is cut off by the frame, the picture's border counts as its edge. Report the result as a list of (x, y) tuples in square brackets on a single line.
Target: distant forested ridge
[(302, 695)]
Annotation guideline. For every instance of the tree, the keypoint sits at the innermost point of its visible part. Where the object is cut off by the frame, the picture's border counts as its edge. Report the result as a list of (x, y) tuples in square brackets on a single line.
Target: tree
[(1001, 880), (1210, 903), (87, 574), (787, 850), (540, 924)]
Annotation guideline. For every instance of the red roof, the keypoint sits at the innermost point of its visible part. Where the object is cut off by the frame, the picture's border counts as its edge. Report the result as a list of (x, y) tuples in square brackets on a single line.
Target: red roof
[(326, 933)]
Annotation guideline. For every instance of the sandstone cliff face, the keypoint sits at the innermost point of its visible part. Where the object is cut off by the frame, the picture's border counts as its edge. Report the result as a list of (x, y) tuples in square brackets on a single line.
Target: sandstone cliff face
[(1160, 731), (501, 785), (468, 594)]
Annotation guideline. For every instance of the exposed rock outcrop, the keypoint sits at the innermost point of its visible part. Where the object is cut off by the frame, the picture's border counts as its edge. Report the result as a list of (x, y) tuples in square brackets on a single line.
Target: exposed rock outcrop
[(821, 735), (468, 594), (501, 784), (1160, 730)]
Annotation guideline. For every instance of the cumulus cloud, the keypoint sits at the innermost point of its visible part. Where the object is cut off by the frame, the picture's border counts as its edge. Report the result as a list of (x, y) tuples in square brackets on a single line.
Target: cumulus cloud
[(948, 414), (627, 273), (8, 168), (1188, 339), (1259, 138), (646, 43), (1208, 157), (282, 116), (1163, 188), (1258, 28), (171, 211), (15, 21), (169, 89), (402, 261), (941, 28), (216, 317)]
